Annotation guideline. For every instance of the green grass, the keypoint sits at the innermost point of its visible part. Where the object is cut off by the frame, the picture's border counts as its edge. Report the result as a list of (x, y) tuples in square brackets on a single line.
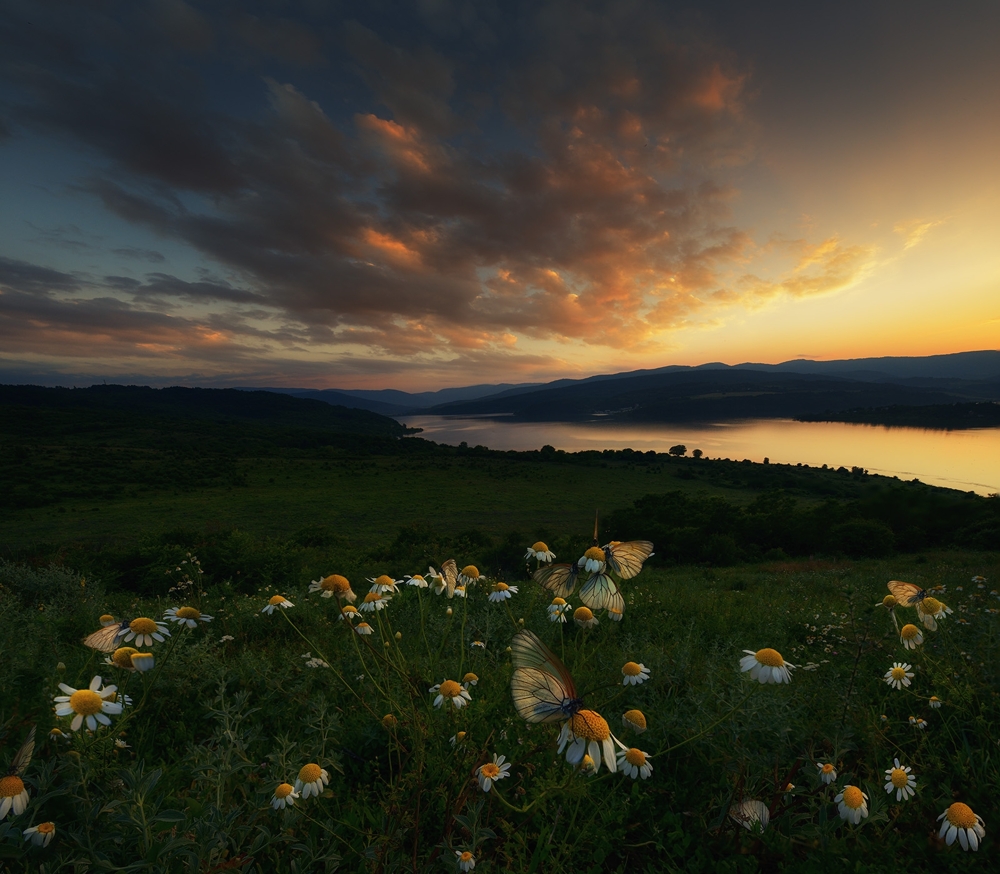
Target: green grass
[(222, 722)]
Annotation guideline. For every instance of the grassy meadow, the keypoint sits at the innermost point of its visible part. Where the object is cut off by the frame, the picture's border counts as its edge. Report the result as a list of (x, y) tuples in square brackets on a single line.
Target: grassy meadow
[(186, 776)]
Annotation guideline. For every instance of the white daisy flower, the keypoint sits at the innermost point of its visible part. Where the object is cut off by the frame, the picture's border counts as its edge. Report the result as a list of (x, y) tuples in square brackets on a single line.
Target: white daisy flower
[(276, 601), (633, 674), (899, 675), (374, 601), (40, 835), (557, 610), (334, 585), (489, 773), (593, 560), (417, 580), (960, 822), (187, 616), (384, 585), (466, 861), (312, 780), (502, 592), (449, 690), (13, 796), (470, 574), (853, 804), (587, 733), (766, 666), (635, 763), (910, 636), (899, 778), (284, 795), (144, 631), (539, 551), (92, 704), (827, 773)]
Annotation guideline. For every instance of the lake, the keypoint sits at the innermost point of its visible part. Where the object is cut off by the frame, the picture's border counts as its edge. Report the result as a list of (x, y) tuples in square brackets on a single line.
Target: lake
[(967, 460)]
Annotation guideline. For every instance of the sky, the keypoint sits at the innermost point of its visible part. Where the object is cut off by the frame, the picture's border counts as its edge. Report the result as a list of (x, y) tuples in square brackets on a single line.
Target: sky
[(451, 192)]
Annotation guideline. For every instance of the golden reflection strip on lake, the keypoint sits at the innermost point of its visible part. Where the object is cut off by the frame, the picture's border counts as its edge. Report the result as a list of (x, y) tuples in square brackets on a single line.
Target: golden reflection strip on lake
[(967, 460)]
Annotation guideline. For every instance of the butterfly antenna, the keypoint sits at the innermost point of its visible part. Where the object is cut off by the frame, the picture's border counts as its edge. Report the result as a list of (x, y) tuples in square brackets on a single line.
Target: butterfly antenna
[(595, 527)]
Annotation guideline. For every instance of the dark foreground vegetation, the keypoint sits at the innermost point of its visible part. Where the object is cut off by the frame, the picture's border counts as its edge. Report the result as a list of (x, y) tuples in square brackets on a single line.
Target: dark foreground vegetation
[(981, 414)]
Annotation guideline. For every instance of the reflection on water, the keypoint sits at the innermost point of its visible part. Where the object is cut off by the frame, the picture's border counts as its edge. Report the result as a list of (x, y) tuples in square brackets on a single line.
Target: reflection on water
[(967, 460)]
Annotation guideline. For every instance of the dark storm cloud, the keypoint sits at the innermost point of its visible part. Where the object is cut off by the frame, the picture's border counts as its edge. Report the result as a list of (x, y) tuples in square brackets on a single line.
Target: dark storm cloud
[(442, 177), (150, 255)]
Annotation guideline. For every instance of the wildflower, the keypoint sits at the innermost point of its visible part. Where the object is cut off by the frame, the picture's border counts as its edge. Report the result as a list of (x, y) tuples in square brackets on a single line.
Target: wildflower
[(374, 601), (333, 585), (934, 702), (470, 679), (107, 619), (285, 794), (363, 628), (459, 592), (634, 719), (437, 581), (189, 616), (122, 657), (91, 704), (449, 690), (384, 585), (910, 636), (416, 580), (929, 610), (979, 580), (145, 631), (751, 813), (502, 592), (853, 804), (312, 780), (56, 734), (466, 861), (226, 637), (489, 773), (634, 674), (587, 766), (143, 661), (592, 560), (470, 574), (349, 613), (586, 731), (899, 778), (274, 603), (898, 675), (827, 773), (635, 763), (766, 666), (615, 615), (584, 617), (889, 601), (918, 723), (540, 551), (961, 822), (477, 643), (389, 722), (13, 795), (557, 610), (448, 612), (458, 738), (40, 835)]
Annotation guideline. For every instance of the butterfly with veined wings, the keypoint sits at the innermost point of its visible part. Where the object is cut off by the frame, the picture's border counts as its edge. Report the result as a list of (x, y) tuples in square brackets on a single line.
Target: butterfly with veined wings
[(22, 758), (906, 594), (542, 688), (106, 639)]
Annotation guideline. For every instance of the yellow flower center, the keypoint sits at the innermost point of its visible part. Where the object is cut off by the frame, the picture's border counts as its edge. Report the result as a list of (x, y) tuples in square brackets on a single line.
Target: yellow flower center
[(449, 688), (362, 626), (46, 828), (934, 699), (558, 602), (310, 773), (540, 547), (465, 857), (122, 657), (909, 632), (349, 610), (470, 571), (631, 669), (583, 614), (385, 580), (334, 583), (106, 619), (470, 678), (417, 577), (589, 725), (142, 625), (636, 717), (635, 757), (188, 613), (490, 770), (460, 736), (371, 597), (11, 787), (85, 702), (889, 601), (595, 552), (961, 815), (501, 587), (274, 601), (389, 721), (930, 605), (898, 778), (284, 790), (827, 768), (769, 657), (898, 674), (853, 797)]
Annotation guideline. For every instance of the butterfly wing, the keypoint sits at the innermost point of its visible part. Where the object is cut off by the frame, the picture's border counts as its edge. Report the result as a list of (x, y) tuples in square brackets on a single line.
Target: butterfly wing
[(542, 688), (601, 593), (105, 639), (906, 594), (560, 579), (626, 559), (449, 570), (23, 757)]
